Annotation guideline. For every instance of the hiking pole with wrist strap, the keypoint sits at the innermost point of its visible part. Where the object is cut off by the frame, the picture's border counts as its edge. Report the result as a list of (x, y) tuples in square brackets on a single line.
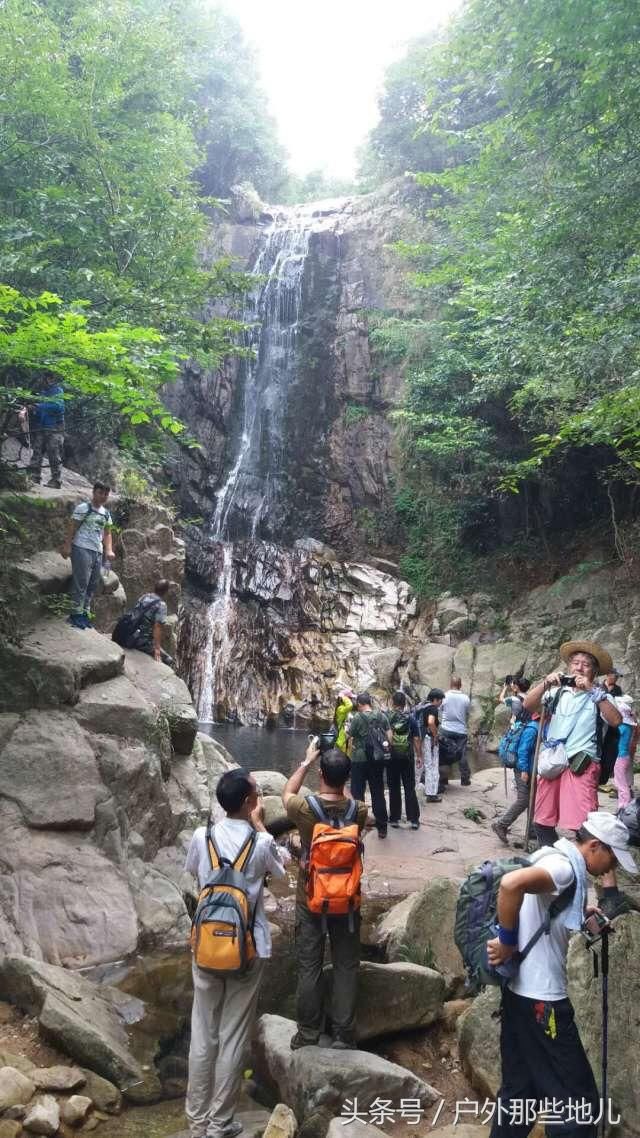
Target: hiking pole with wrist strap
[(601, 967), (533, 780)]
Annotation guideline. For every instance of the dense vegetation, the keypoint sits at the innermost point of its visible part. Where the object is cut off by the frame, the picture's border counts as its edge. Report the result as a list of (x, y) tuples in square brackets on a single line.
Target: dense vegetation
[(118, 121), (523, 348)]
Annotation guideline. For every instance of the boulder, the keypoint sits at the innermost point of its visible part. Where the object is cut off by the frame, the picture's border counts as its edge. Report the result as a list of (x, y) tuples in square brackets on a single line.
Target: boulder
[(270, 782), (103, 1094), (275, 815), (340, 1128), (585, 992), (420, 927), (166, 691), (479, 1043), (43, 1117), (10, 1129), (53, 663), (316, 1081), (14, 1087), (282, 1123), (58, 1078), (46, 571), (49, 769), (433, 666), (384, 666), (416, 995), (76, 1109), (450, 610), (118, 708), (73, 1014)]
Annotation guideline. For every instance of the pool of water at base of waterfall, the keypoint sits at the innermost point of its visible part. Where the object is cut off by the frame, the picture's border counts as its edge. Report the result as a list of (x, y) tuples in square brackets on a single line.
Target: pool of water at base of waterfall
[(281, 749)]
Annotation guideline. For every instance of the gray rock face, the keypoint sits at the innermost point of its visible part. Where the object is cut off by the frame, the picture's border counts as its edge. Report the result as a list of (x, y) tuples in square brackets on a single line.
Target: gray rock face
[(52, 665), (76, 1109), (58, 1078), (422, 924), (14, 1088), (34, 772), (416, 995), (282, 1123), (315, 1081), (166, 691), (479, 1043)]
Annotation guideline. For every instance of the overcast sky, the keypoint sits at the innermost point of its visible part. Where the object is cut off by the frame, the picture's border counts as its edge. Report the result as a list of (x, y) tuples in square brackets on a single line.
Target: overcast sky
[(322, 66)]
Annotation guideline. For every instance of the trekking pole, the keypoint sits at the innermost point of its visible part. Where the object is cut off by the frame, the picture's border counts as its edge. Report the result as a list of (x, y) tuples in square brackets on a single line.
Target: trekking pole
[(532, 784), (604, 965)]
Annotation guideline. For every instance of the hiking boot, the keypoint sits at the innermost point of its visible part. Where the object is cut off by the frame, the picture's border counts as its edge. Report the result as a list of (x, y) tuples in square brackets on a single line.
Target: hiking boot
[(339, 1044), (55, 483), (465, 781), (395, 825), (382, 832), (88, 620), (76, 620), (233, 1128), (500, 831), (299, 1040), (433, 798), (415, 825)]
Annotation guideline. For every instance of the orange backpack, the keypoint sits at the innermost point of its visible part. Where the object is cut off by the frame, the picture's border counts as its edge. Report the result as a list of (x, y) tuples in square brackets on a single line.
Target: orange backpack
[(334, 866), (222, 930)]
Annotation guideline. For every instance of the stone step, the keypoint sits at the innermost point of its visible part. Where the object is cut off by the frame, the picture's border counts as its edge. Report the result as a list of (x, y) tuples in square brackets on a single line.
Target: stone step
[(53, 663), (46, 572)]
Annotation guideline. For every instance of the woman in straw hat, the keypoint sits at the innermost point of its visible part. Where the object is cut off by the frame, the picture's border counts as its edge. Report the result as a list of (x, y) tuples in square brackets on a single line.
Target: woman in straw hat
[(577, 703)]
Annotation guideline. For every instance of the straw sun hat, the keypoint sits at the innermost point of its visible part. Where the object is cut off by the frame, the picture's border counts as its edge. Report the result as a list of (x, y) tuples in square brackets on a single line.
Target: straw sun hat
[(605, 663)]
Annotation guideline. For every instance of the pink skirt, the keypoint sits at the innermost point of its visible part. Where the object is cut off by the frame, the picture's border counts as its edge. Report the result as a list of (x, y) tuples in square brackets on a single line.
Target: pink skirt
[(567, 800)]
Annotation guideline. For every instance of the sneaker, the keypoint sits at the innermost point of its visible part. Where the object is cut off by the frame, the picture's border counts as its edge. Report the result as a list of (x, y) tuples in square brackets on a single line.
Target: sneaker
[(433, 798), (233, 1128), (415, 825), (76, 620), (54, 483), (339, 1044), (465, 782), (382, 832), (500, 832), (299, 1040), (395, 825)]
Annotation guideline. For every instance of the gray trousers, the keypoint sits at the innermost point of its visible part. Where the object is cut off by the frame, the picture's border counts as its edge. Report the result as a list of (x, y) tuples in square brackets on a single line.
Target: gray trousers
[(519, 806), (85, 566), (49, 443), (345, 959), (223, 1015)]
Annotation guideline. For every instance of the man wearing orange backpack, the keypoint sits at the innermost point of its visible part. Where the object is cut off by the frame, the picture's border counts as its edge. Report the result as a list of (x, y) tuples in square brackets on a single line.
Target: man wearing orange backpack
[(328, 896), (230, 940)]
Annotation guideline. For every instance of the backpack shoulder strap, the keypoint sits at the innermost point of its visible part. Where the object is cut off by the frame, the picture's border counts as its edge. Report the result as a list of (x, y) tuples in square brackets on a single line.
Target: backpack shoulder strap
[(214, 854), (557, 906), (318, 809), (242, 858), (351, 813)]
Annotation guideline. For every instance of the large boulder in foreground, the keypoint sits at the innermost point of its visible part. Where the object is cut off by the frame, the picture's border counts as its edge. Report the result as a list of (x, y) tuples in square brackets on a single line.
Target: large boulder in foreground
[(79, 1018), (416, 995), (479, 1043), (316, 1081), (585, 992), (420, 928)]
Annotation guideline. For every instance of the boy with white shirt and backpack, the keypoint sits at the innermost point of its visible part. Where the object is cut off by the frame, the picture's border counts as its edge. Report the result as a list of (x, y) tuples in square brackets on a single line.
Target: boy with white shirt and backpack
[(231, 941)]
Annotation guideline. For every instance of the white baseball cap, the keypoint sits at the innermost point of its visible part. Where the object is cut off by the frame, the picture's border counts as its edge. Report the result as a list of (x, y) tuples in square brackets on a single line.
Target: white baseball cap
[(613, 833)]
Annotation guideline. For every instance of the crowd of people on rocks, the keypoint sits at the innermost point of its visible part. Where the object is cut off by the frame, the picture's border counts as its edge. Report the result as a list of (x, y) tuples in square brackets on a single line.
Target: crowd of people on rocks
[(559, 726)]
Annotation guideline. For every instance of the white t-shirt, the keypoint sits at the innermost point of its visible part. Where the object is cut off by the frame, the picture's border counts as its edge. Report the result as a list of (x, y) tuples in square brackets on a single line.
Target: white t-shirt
[(543, 973), (455, 712), (230, 835), (93, 522)]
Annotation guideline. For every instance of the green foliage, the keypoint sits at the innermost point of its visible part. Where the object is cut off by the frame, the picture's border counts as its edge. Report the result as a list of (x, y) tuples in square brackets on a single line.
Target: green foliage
[(355, 413), (423, 955), (315, 186), (527, 376), (474, 815)]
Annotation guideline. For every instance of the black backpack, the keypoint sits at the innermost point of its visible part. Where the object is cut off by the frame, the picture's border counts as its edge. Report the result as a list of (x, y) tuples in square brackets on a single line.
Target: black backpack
[(128, 626), (376, 745)]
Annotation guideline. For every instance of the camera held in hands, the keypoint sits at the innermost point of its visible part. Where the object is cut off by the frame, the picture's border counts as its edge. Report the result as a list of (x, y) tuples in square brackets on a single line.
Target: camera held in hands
[(326, 741), (594, 926), (567, 681)]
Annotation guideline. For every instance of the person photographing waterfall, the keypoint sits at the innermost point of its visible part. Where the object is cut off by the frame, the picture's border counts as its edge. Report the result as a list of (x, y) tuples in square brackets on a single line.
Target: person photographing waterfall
[(224, 1006)]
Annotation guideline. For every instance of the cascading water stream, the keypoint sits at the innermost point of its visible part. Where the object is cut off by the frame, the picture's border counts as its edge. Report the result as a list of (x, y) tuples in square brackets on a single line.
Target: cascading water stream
[(245, 498)]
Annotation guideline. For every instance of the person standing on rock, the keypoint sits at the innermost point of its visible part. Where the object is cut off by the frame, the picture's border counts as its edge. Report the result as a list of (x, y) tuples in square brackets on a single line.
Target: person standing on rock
[(524, 746), (430, 745), (224, 1008), (401, 770), (47, 431), (312, 929), (579, 709), (342, 711), (454, 730), (543, 1060), (370, 736), (88, 541)]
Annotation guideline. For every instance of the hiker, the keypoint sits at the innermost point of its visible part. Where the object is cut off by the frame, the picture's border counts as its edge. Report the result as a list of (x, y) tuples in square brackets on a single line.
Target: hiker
[(517, 749), (627, 740), (342, 711), (150, 615), (610, 682), (543, 1059), (578, 708), (224, 1006), (453, 732), (313, 816), (87, 542), (430, 761), (47, 431), (401, 768), (370, 736), (513, 692)]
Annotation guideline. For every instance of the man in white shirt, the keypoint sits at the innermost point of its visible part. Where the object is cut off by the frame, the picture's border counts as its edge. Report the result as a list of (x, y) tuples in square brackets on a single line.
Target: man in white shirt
[(542, 1055), (224, 1009), (453, 731)]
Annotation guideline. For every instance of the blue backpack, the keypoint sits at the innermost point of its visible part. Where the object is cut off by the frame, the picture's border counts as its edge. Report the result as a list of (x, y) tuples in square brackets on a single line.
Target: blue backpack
[(510, 741)]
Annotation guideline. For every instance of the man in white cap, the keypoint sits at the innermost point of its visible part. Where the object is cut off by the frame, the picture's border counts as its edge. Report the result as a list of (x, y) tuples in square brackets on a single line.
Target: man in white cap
[(578, 709), (543, 1059)]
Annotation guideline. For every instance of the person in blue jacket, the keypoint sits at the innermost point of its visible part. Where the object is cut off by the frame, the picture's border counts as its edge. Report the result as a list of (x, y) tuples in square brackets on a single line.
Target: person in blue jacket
[(47, 431), (525, 750)]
